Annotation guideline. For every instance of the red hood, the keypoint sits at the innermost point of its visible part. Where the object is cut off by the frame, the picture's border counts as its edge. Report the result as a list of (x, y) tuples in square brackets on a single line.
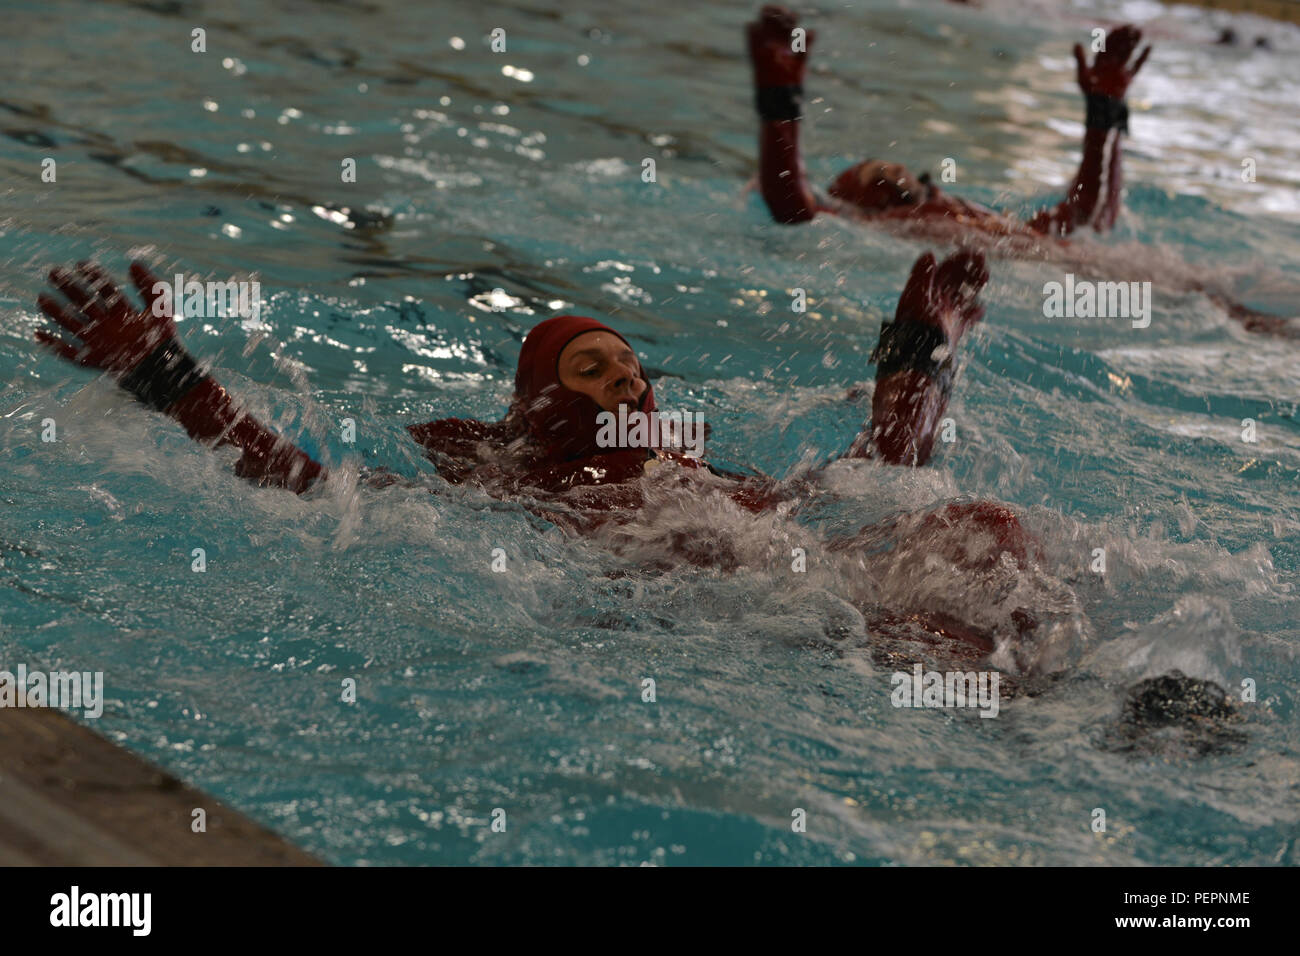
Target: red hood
[(561, 420)]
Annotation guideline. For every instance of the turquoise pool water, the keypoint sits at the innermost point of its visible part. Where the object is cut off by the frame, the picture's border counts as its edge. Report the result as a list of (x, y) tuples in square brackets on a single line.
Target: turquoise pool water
[(495, 189)]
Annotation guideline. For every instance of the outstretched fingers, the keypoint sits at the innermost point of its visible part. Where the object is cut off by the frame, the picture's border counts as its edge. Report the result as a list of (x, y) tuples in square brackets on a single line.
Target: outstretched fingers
[(59, 347), (146, 282), (777, 19), (60, 313), (113, 333), (1122, 41), (1142, 58), (77, 293), (101, 284), (771, 45), (774, 24)]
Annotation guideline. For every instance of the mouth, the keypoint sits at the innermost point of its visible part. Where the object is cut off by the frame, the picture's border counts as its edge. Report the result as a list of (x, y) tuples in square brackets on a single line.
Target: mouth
[(632, 400)]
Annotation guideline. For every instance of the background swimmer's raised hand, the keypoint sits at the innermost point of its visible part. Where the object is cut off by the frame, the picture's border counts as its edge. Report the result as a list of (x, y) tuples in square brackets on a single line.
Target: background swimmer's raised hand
[(771, 48), (1110, 74), (109, 331)]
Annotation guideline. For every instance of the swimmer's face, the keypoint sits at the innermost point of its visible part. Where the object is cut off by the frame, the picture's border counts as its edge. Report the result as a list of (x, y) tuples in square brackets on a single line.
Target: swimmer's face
[(601, 366), (875, 185)]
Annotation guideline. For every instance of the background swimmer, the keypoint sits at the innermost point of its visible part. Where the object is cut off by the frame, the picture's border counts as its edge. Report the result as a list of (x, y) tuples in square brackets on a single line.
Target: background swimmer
[(890, 195), (878, 189)]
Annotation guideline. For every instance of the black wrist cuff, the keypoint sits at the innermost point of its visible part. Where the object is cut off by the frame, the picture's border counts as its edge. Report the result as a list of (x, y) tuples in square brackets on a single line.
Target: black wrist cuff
[(1106, 112), (780, 102), (164, 377), (910, 346)]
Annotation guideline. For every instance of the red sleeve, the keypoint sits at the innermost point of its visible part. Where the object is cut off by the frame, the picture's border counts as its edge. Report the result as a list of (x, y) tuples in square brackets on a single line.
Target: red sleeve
[(1094, 195), (781, 174), (210, 416)]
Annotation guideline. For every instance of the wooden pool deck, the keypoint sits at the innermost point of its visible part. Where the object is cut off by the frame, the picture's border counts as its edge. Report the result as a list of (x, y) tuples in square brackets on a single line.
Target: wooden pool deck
[(68, 797)]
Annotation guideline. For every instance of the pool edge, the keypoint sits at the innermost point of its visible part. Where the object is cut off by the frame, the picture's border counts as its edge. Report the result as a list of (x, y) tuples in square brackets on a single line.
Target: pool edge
[(73, 798)]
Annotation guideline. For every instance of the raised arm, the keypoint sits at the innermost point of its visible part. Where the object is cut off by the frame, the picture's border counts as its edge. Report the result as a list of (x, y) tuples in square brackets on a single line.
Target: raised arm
[(914, 359), (142, 351), (778, 92), (1093, 198)]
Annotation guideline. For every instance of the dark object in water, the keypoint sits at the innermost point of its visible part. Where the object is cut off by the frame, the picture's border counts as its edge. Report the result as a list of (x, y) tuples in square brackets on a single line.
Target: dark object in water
[(31, 137), (361, 219), (1229, 38), (1175, 715), (1174, 698)]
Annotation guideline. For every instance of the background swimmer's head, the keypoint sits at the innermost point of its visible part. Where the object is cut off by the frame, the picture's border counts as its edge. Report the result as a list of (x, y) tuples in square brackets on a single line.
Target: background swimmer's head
[(875, 185), (603, 367)]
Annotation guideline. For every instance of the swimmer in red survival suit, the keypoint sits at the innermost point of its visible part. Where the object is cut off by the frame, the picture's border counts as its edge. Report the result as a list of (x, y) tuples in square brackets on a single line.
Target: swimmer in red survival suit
[(886, 192), (571, 368)]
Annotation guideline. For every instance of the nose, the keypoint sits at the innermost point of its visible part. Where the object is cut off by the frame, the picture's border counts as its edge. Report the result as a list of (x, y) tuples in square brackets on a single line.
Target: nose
[(626, 374)]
